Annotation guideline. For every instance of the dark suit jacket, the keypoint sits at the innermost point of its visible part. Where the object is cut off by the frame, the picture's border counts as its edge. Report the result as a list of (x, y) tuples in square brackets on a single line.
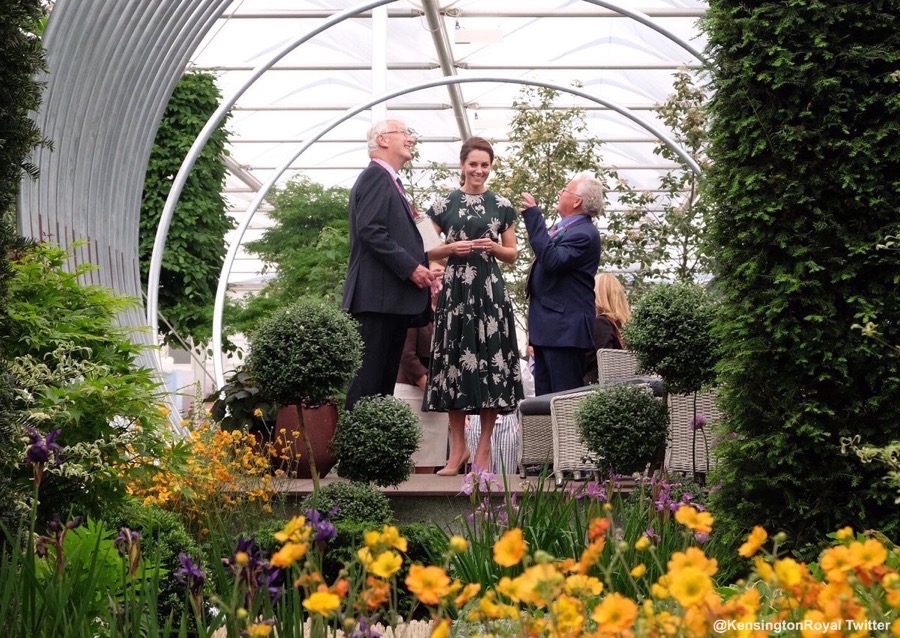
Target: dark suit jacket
[(561, 283), (385, 249)]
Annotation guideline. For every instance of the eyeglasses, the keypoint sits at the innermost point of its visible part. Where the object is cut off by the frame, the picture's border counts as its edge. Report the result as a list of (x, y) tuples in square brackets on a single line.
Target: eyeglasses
[(565, 190), (407, 134)]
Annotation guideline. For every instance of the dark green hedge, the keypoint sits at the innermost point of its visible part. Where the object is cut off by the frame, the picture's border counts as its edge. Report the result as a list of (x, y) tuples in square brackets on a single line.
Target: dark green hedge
[(806, 161)]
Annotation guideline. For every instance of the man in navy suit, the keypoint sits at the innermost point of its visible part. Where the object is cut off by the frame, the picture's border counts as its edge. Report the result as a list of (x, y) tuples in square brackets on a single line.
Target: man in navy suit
[(561, 284), (388, 281)]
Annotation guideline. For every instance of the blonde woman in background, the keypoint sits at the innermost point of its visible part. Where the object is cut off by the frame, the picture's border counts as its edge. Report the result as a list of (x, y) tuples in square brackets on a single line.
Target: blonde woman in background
[(613, 312)]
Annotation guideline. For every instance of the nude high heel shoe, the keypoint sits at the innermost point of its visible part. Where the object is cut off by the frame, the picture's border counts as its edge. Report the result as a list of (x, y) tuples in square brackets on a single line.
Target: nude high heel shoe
[(449, 470)]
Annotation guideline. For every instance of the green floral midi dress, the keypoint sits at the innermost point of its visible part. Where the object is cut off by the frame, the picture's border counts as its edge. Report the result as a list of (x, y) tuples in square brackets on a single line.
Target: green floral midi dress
[(474, 357)]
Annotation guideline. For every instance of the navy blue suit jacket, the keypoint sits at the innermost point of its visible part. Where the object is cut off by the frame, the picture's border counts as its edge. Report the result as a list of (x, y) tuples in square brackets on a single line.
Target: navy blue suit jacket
[(385, 249), (561, 283)]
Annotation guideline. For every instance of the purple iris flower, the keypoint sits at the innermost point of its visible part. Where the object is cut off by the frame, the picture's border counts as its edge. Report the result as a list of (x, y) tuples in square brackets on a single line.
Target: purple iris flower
[(41, 447), (365, 629), (324, 528), (190, 574), (272, 580), (126, 539), (595, 492), (652, 535)]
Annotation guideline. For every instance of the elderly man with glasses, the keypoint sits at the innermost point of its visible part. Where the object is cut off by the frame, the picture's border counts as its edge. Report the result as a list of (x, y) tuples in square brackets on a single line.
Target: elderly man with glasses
[(388, 280), (561, 284)]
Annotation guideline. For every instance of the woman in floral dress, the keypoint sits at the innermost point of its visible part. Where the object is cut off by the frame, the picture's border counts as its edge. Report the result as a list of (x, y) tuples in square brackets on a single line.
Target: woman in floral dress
[(474, 361)]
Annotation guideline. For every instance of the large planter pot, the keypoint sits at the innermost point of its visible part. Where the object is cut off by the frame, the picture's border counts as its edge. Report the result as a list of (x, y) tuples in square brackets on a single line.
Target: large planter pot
[(320, 423)]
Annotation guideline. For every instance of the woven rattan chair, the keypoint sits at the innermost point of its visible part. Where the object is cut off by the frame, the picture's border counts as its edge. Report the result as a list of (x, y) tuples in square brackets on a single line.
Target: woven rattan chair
[(535, 438), (615, 364), (679, 456), (569, 451)]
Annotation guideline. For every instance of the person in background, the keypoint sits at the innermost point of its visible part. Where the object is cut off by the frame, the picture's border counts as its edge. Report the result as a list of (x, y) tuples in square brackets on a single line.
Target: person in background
[(412, 378), (475, 362), (388, 280), (561, 284), (613, 312)]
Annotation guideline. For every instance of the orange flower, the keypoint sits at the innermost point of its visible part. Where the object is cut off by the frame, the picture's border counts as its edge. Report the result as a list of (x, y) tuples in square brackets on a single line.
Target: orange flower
[(441, 628), (467, 594), (615, 614), (568, 615), (428, 584), (377, 593), (868, 554), (510, 549), (754, 541), (289, 554), (700, 522), (836, 561), (693, 557), (598, 528), (789, 572)]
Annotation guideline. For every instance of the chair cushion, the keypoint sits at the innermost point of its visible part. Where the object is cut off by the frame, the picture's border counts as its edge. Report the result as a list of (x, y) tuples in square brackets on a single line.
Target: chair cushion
[(541, 404)]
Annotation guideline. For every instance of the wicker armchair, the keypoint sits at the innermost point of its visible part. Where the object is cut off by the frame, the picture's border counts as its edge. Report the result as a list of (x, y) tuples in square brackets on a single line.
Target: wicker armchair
[(569, 451), (679, 456), (536, 430), (615, 364)]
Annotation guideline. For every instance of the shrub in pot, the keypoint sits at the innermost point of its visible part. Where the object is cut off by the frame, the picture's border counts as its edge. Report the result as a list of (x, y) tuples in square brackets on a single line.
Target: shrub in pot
[(305, 354), (240, 405), (625, 426), (670, 332), (376, 441)]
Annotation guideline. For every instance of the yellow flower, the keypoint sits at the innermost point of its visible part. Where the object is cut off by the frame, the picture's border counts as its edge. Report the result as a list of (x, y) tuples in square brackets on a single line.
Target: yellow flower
[(441, 628), (844, 534), (242, 558), (764, 570), (615, 614), (568, 614), (642, 543), (659, 591), (289, 554), (689, 586), (700, 522), (458, 544), (391, 537), (259, 630), (295, 531), (581, 585), (428, 584), (789, 572), (322, 603), (638, 570), (891, 584), (754, 541), (868, 554), (508, 551), (510, 588), (895, 628), (365, 556), (257, 413), (386, 565)]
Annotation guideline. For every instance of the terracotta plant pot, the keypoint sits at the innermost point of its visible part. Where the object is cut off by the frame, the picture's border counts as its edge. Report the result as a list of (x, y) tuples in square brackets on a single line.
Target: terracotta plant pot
[(320, 423)]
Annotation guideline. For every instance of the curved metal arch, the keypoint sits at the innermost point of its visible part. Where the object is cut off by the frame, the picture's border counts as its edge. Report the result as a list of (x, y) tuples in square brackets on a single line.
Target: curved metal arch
[(214, 120), (159, 243), (219, 306)]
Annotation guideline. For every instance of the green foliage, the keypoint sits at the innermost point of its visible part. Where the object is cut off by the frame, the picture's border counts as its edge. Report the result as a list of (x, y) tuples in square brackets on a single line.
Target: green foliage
[(195, 244), (659, 235), (21, 58), (625, 426), (376, 441), (356, 502), (163, 536), (671, 332), (239, 404), (74, 369), (547, 147), (308, 248), (305, 353), (804, 179)]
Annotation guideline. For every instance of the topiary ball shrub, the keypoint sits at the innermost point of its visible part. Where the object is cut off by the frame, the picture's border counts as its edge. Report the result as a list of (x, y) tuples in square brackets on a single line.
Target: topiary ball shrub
[(671, 334), (305, 353), (375, 442), (625, 426), (355, 502)]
